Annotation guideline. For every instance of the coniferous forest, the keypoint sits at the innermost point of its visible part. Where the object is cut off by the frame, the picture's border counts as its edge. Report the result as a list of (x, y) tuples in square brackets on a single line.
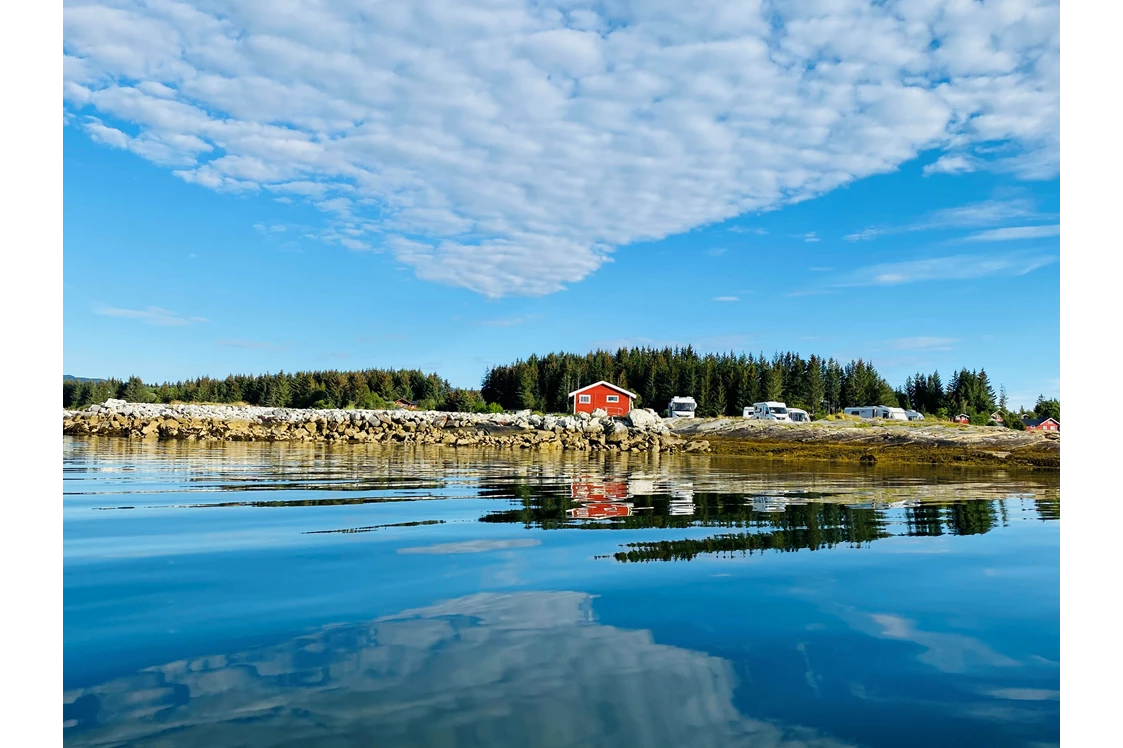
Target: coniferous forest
[(722, 384)]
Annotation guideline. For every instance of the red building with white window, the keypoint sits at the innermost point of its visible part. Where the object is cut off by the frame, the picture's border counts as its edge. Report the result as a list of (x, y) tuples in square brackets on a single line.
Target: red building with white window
[(617, 401), (1042, 424)]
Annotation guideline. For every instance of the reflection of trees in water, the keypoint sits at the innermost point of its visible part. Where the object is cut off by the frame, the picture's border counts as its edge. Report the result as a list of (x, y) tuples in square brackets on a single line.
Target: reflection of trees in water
[(796, 526), (491, 669), (749, 543), (1048, 508)]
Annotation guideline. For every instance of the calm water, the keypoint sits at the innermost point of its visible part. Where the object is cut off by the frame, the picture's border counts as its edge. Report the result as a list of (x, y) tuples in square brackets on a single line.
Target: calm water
[(267, 595)]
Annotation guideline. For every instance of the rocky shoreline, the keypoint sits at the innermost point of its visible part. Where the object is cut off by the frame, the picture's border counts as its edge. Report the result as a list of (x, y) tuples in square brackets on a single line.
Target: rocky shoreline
[(876, 442), (640, 431), (866, 443)]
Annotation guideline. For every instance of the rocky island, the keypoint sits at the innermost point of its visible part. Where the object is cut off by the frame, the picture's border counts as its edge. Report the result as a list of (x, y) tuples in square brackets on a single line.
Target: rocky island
[(639, 431), (642, 430)]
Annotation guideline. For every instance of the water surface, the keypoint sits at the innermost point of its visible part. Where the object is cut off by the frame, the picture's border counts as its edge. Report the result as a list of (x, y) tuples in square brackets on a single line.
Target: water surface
[(288, 594)]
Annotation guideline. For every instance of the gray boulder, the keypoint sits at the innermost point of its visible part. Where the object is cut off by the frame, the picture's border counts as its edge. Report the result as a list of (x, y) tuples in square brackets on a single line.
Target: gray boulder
[(615, 432), (643, 418)]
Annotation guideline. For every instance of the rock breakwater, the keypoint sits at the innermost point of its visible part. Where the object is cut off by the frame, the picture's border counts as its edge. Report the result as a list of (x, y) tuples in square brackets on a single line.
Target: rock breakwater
[(641, 431)]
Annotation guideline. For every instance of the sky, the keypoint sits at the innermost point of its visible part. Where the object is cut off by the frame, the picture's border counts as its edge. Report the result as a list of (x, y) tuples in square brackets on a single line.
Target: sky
[(251, 187)]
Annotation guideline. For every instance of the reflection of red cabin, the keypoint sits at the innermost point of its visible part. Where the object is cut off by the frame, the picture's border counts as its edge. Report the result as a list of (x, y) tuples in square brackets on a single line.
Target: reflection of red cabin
[(962, 418), (600, 510), (617, 401), (1042, 424), (589, 490)]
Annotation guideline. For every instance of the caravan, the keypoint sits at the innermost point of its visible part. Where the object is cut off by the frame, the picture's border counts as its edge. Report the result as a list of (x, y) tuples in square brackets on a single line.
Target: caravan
[(770, 411), (798, 415), (878, 411), (681, 407)]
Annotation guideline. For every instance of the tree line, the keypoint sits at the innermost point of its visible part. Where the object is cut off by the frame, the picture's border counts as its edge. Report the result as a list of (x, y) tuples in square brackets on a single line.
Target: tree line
[(724, 383), (721, 383), (368, 389)]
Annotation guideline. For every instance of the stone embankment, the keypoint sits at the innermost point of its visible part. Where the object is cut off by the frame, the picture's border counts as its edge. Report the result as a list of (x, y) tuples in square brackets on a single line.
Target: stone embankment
[(640, 431)]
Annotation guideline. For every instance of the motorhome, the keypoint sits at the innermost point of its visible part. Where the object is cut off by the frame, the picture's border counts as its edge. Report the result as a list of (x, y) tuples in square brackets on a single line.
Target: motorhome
[(798, 415), (914, 415), (681, 407), (771, 411), (878, 411)]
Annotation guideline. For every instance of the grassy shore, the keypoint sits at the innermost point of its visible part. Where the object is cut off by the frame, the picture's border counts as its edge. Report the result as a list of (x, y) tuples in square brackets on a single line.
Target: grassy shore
[(1030, 456), (877, 442)]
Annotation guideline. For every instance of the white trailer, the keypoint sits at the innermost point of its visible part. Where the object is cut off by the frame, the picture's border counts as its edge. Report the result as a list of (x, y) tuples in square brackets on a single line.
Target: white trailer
[(771, 411), (914, 415), (798, 415), (878, 411), (681, 407)]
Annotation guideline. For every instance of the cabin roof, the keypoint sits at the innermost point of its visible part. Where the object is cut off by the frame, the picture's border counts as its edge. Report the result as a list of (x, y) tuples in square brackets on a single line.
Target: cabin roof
[(1039, 421), (606, 384)]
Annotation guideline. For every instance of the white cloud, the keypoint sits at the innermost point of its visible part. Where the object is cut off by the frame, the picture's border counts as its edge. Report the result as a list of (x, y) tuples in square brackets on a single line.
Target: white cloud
[(153, 315), (726, 298), (509, 147), (951, 164), (984, 213), (955, 267), (810, 237), (716, 251), (1016, 232), (924, 342)]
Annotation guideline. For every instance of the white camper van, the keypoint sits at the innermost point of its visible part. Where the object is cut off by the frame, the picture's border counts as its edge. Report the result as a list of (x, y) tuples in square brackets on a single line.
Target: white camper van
[(798, 415), (681, 407), (914, 415), (771, 411), (878, 411)]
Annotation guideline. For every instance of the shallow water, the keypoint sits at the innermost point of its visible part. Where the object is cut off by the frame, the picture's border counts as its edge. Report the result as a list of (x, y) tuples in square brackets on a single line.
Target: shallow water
[(287, 594)]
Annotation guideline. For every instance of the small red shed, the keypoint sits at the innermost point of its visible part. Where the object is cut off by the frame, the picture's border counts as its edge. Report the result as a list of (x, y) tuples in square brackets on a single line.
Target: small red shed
[(617, 401), (1042, 424), (962, 418)]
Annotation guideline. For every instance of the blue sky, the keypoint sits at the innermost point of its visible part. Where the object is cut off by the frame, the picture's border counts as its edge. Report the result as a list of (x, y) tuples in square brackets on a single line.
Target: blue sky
[(246, 192)]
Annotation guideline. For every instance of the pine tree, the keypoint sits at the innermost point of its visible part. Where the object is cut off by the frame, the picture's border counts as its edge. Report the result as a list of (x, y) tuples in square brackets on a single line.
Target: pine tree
[(528, 385), (134, 391), (816, 391)]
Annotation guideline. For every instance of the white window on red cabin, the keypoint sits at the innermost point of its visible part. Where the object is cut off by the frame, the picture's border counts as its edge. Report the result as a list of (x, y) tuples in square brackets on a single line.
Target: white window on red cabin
[(584, 398), (612, 399)]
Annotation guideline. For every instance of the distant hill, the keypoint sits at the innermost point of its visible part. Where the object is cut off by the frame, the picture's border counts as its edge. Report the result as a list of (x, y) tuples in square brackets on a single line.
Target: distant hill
[(72, 378)]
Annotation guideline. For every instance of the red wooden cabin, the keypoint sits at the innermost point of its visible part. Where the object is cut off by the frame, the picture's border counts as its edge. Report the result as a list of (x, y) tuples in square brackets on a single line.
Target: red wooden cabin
[(1042, 424), (617, 401)]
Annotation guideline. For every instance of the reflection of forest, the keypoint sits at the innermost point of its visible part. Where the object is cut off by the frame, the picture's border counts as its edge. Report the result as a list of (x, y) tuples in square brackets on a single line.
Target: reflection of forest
[(523, 669), (784, 523)]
